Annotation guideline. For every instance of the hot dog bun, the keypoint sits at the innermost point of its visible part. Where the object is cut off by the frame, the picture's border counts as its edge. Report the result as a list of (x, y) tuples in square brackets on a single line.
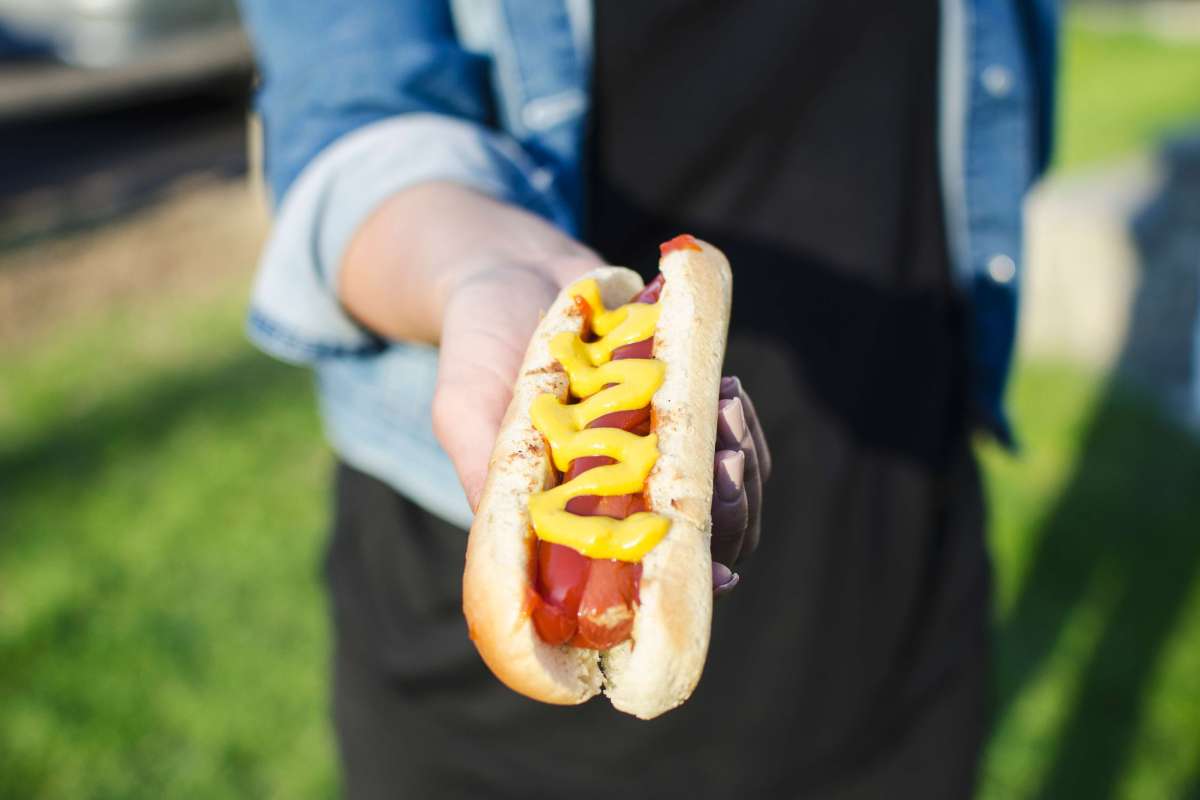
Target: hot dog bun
[(658, 668)]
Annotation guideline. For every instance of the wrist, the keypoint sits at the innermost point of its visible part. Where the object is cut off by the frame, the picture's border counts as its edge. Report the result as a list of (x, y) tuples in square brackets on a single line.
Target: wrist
[(431, 241)]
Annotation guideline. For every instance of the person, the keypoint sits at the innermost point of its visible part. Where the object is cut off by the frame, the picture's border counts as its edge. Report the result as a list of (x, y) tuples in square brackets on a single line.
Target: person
[(441, 169)]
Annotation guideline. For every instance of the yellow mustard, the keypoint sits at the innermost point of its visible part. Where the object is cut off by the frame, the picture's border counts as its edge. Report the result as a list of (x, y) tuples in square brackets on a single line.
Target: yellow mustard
[(589, 367)]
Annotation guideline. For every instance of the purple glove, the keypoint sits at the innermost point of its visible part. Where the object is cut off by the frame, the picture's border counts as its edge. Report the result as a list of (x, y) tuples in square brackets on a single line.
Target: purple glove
[(741, 464)]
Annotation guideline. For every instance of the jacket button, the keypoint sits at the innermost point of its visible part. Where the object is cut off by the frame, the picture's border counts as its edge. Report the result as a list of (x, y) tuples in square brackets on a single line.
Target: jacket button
[(997, 80), (1001, 268)]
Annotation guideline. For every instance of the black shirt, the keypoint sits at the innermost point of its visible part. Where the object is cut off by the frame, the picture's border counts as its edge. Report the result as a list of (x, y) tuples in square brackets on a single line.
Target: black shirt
[(799, 137)]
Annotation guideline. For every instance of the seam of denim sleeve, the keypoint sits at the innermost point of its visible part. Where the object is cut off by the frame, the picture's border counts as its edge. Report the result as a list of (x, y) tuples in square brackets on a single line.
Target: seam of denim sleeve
[(494, 165), (506, 174)]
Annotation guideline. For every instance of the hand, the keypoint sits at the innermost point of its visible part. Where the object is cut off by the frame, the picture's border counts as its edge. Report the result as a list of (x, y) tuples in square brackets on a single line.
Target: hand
[(488, 320), (741, 465), (443, 264)]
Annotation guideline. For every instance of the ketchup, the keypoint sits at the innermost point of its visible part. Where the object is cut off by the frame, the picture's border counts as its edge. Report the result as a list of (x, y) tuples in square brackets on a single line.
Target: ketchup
[(584, 601), (684, 241)]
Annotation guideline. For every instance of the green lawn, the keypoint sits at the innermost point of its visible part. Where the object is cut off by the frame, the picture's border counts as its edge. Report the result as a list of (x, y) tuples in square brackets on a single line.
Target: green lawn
[(1096, 541), (163, 498), (156, 640), (1120, 91)]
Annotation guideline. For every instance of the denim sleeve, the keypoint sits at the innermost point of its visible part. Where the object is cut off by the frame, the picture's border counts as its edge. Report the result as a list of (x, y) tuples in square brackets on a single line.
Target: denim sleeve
[(295, 314), (328, 67), (360, 100)]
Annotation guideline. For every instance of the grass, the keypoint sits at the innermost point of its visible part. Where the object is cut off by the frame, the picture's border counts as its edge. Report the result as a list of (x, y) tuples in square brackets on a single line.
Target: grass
[(162, 623), (162, 634), (163, 504), (1094, 535), (1121, 91)]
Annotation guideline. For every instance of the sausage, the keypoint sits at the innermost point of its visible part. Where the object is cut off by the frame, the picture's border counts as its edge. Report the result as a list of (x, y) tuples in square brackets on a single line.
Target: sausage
[(651, 291), (590, 602), (561, 576), (606, 607)]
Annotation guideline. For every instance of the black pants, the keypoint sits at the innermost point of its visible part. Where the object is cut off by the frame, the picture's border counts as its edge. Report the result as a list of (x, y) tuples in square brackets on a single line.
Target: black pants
[(850, 663)]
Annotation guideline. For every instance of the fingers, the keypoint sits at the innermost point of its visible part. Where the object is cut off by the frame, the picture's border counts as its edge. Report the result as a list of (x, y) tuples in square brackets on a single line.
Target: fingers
[(466, 427), (729, 505), (761, 448), (733, 434), (724, 579), (731, 424), (486, 326), (753, 482), (732, 387)]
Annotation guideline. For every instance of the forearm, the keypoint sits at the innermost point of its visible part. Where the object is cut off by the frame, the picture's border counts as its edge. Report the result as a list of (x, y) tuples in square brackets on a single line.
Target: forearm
[(403, 264)]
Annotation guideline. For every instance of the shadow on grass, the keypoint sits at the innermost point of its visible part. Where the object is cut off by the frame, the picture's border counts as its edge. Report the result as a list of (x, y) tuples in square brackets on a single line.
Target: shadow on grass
[(1125, 527), (1124, 535), (51, 661), (80, 447)]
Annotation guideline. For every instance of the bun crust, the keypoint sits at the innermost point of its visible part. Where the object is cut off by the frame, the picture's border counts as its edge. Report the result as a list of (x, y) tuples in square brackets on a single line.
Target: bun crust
[(659, 667)]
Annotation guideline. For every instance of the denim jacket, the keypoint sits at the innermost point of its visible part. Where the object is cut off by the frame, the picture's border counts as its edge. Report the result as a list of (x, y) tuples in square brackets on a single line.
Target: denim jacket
[(362, 98)]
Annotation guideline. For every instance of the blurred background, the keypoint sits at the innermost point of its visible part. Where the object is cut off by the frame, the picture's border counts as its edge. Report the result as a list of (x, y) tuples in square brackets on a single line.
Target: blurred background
[(163, 487)]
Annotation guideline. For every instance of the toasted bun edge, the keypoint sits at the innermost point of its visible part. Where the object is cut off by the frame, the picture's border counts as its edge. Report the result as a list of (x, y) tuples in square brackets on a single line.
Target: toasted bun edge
[(659, 668)]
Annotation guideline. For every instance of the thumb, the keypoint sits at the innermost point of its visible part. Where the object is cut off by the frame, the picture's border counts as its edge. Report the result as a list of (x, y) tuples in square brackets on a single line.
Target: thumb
[(465, 421), (486, 327)]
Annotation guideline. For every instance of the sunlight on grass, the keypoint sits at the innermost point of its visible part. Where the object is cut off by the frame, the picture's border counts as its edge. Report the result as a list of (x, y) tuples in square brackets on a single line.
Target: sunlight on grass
[(162, 622), (1024, 741), (1166, 749), (1120, 91), (1098, 572), (164, 627), (1051, 426)]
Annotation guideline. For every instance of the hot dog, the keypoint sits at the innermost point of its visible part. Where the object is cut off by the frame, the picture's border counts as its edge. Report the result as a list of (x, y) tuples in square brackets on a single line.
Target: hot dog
[(598, 595), (588, 564)]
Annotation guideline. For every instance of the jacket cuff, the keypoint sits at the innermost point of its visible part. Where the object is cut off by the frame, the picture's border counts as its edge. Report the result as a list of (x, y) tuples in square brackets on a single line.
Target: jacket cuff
[(295, 314)]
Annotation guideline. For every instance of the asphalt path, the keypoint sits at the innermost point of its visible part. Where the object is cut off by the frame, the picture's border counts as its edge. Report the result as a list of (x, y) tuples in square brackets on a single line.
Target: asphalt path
[(79, 168)]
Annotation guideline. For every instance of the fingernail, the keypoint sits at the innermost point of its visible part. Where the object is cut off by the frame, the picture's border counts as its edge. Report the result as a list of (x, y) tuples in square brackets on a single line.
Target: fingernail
[(731, 467), (732, 419), (729, 387), (725, 580)]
